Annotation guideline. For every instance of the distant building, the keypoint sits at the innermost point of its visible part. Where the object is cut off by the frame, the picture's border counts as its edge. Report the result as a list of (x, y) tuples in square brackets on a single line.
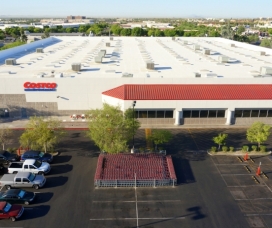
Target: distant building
[(76, 17)]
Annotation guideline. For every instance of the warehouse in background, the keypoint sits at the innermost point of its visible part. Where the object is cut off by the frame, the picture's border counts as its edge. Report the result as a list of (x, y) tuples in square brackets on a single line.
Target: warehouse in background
[(179, 81)]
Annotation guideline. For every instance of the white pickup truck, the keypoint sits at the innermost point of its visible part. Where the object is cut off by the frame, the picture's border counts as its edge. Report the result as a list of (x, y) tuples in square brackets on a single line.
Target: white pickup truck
[(29, 165)]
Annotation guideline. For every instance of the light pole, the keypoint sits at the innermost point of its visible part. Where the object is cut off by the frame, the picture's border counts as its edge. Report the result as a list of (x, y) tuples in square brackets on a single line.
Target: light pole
[(133, 105)]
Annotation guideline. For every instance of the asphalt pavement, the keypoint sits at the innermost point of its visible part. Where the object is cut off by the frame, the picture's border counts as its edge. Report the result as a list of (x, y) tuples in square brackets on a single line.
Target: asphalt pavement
[(201, 199)]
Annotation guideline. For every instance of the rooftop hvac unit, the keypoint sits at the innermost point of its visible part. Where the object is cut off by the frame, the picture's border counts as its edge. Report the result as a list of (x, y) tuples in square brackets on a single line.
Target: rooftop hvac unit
[(210, 75), (197, 75), (150, 65), (206, 51), (185, 42), (223, 59), (196, 47), (59, 75), (262, 53), (102, 52), (173, 38), (107, 44), (266, 70), (10, 61), (111, 38), (98, 59), (76, 66), (39, 50), (232, 45), (127, 75)]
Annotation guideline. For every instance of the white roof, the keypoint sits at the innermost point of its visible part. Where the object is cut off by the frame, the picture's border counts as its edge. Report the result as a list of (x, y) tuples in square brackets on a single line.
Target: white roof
[(172, 59)]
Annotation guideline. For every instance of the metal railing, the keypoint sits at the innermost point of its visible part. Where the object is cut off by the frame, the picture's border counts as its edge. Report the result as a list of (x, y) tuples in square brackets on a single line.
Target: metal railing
[(135, 183)]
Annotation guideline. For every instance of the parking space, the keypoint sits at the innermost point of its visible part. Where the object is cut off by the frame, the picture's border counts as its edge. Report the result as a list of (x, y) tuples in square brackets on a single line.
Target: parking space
[(211, 192), (254, 196)]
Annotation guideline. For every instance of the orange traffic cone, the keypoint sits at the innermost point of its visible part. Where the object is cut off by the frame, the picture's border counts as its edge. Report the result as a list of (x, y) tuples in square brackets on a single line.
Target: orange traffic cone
[(246, 157), (258, 173)]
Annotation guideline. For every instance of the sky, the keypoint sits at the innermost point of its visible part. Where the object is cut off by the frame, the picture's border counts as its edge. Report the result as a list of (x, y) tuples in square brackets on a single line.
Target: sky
[(139, 8)]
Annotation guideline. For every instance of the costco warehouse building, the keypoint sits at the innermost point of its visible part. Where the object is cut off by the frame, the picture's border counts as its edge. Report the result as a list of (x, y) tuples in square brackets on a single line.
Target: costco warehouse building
[(181, 81)]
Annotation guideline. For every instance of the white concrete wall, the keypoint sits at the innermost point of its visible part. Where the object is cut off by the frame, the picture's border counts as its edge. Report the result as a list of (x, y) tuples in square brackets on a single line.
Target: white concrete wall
[(86, 93)]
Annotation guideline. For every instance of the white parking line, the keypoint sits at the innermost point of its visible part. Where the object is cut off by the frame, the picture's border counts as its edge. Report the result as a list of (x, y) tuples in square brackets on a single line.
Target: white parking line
[(254, 199), (139, 201), (110, 219), (257, 214), (246, 186), (247, 174)]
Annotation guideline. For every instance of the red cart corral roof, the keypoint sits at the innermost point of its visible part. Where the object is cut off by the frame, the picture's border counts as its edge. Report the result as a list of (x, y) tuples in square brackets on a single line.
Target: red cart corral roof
[(191, 92)]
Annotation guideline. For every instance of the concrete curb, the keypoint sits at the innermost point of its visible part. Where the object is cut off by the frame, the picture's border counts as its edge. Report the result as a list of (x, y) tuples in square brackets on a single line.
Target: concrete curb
[(239, 153)]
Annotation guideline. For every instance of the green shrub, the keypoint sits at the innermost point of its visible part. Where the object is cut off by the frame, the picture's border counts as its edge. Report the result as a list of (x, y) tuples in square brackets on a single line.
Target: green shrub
[(263, 148), (245, 148), (225, 148), (254, 148), (141, 149), (9, 149), (231, 148), (213, 149)]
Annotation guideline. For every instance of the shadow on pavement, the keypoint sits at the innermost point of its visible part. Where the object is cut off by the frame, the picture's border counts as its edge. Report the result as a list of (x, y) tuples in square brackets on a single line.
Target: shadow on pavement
[(60, 169), (193, 211), (52, 182), (35, 212), (183, 170), (43, 197), (61, 159)]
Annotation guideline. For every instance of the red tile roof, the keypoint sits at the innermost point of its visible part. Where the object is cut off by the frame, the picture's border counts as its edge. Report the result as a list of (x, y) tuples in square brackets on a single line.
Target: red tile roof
[(191, 92)]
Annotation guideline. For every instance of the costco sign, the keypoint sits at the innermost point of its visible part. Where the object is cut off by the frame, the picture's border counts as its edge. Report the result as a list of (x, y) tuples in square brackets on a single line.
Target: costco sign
[(40, 86)]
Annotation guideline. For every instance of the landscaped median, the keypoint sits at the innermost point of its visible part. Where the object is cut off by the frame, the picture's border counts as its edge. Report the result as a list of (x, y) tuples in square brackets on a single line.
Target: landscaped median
[(238, 153)]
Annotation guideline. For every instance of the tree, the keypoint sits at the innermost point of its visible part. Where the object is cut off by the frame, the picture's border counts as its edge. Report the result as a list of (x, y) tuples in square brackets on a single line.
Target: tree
[(125, 32), (266, 43), (111, 129), (160, 136), (241, 29), (220, 140), (136, 31), (116, 29), (258, 133), (5, 135), (69, 30), (24, 38), (170, 32), (41, 134)]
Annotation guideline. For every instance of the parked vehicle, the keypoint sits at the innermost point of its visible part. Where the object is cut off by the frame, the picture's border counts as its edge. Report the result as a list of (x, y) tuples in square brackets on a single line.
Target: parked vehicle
[(2, 169), (22, 180), (12, 212), (29, 165), (17, 196), (38, 155), (7, 157)]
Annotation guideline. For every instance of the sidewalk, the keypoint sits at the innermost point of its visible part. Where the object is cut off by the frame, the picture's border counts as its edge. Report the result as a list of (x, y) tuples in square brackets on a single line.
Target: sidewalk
[(83, 124)]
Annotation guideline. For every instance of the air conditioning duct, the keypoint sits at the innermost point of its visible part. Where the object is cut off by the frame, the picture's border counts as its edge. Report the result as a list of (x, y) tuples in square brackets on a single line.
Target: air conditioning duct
[(206, 51), (266, 70), (196, 47), (223, 59), (11, 61), (76, 66), (150, 65), (127, 75), (39, 50)]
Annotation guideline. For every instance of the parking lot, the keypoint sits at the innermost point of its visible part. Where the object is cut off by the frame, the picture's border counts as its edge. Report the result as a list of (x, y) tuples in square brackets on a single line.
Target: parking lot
[(212, 191)]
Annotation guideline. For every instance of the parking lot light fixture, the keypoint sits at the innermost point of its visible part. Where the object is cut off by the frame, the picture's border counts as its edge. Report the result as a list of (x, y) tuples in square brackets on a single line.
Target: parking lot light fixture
[(133, 105)]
